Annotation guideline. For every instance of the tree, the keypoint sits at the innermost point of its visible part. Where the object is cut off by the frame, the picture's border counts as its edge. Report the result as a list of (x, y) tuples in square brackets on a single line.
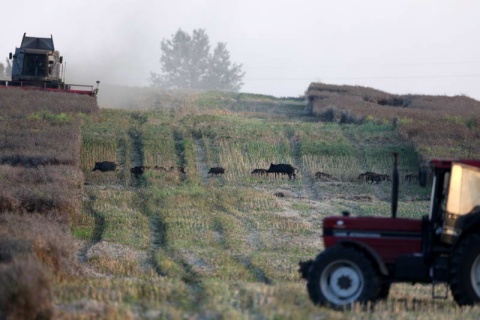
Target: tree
[(5, 71), (8, 69), (223, 74), (187, 63)]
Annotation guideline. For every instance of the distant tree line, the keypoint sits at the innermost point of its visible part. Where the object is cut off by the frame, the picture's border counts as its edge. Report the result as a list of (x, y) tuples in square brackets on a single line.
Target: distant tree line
[(187, 63)]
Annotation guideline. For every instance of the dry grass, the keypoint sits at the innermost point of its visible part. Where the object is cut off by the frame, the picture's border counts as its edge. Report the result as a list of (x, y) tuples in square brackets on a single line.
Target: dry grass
[(22, 103), (40, 151), (41, 237), (26, 290), (34, 250), (40, 194), (45, 189)]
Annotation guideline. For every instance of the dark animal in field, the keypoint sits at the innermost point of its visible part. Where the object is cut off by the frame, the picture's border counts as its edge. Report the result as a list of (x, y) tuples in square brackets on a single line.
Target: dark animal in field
[(216, 171), (371, 177), (385, 177), (279, 194), (374, 178), (411, 177), (282, 168), (363, 176), (260, 172), (105, 166), (320, 175), (137, 171)]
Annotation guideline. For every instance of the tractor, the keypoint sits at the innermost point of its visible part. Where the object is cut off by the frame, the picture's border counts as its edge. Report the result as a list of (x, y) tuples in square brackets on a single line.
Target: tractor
[(364, 255)]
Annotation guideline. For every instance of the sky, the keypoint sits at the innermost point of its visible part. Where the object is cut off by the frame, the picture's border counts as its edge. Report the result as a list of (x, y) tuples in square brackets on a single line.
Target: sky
[(398, 46)]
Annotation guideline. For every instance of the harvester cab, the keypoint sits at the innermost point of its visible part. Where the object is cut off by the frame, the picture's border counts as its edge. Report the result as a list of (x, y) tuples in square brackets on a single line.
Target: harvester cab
[(363, 256), (37, 61), (37, 65)]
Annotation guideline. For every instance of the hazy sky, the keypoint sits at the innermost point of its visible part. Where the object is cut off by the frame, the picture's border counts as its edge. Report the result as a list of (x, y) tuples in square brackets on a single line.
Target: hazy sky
[(399, 46)]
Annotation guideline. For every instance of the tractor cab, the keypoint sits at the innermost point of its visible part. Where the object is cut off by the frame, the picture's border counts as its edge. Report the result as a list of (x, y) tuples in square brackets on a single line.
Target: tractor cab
[(462, 210), (455, 200)]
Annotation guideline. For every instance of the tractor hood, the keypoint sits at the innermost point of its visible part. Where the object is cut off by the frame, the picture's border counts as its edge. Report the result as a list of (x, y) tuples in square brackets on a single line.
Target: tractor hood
[(389, 237)]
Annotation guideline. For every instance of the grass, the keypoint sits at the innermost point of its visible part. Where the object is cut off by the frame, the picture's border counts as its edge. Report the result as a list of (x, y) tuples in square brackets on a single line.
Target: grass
[(124, 225), (173, 245)]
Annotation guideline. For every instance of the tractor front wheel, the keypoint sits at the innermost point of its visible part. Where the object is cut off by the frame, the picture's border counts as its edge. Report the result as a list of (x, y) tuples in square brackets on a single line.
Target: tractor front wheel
[(465, 271), (341, 276)]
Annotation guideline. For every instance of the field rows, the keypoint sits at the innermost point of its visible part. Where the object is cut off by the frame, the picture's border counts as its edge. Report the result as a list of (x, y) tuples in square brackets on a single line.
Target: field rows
[(171, 245), (228, 240)]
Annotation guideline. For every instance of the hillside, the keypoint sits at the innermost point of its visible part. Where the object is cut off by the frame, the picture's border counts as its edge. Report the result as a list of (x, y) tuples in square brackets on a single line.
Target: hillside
[(173, 245), (438, 126)]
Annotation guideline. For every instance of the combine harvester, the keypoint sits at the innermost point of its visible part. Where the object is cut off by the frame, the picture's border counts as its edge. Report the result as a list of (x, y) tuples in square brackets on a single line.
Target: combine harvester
[(38, 66)]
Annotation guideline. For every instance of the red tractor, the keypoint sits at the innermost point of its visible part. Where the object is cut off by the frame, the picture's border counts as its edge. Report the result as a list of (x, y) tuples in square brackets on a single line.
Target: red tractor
[(363, 256)]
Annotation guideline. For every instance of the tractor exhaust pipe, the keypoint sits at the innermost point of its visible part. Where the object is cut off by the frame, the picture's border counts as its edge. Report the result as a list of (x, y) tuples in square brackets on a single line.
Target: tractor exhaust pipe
[(395, 182)]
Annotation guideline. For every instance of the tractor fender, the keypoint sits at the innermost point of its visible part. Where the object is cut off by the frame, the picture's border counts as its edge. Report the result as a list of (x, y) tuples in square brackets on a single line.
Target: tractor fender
[(369, 251)]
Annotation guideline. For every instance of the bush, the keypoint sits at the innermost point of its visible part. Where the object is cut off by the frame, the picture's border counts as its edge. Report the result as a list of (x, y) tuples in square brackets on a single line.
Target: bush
[(346, 117), (329, 115)]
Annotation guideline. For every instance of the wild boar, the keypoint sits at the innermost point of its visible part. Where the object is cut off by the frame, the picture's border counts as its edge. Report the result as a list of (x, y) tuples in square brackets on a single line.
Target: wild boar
[(282, 168), (216, 171), (137, 171), (105, 166)]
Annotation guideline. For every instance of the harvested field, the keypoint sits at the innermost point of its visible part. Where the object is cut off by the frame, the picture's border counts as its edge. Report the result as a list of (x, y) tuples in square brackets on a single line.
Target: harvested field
[(167, 244)]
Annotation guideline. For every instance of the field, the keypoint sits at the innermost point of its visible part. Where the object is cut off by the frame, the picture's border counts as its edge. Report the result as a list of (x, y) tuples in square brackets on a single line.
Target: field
[(168, 245)]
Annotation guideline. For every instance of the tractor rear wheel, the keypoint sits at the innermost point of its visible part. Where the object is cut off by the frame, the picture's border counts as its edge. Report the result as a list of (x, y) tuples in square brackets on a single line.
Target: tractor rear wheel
[(341, 276), (465, 271)]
